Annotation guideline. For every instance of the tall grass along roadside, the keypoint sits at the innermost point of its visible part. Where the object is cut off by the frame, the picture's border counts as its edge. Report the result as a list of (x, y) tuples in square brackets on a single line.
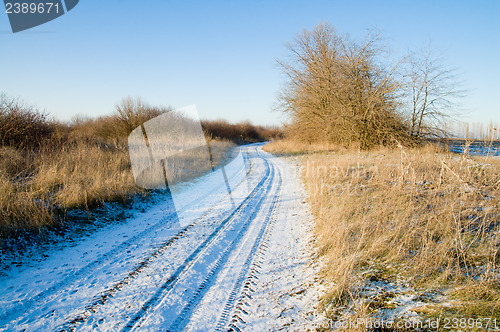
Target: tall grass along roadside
[(421, 219), (48, 168)]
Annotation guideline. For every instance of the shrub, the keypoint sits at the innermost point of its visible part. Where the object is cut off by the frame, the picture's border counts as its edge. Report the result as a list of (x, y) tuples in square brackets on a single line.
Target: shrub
[(21, 125), (337, 91), (131, 113)]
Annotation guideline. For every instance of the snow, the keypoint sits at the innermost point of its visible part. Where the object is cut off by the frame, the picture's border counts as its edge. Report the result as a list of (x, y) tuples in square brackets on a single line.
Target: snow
[(235, 253), (287, 289)]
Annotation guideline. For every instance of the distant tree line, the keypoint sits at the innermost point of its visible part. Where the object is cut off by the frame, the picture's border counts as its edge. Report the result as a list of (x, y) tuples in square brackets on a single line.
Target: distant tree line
[(130, 113), (24, 126), (476, 130)]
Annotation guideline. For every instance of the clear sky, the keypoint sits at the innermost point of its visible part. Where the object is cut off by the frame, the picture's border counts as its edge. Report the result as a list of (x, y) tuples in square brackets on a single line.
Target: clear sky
[(220, 55)]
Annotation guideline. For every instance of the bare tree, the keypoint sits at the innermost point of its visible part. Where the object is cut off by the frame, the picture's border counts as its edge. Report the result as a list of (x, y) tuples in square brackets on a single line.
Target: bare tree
[(131, 113), (434, 92), (337, 91)]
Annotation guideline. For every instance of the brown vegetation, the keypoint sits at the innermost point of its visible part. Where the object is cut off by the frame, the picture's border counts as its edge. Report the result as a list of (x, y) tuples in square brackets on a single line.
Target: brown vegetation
[(418, 217), (338, 93), (422, 217), (48, 167), (240, 132), (21, 125), (342, 91), (289, 147)]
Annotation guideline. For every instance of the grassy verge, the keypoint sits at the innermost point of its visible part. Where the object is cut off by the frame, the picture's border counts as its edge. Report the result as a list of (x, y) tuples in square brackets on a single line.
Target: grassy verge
[(42, 183), (291, 148), (418, 224), (36, 187)]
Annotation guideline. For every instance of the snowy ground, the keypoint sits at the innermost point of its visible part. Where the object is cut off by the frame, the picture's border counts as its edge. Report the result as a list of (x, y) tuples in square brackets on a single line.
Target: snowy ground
[(238, 261)]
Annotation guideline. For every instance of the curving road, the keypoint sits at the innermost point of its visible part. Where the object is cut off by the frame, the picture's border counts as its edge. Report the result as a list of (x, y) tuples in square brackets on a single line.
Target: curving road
[(241, 262)]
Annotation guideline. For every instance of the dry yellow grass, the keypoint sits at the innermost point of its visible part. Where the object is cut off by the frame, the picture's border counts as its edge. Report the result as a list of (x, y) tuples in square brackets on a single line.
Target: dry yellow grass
[(290, 147), (33, 185), (83, 175), (422, 215), (19, 209)]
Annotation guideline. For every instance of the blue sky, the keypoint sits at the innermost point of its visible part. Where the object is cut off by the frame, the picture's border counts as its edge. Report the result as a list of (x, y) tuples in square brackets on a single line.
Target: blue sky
[(220, 55)]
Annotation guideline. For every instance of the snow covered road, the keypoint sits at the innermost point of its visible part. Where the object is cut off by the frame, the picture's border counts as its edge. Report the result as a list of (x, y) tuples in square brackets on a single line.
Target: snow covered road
[(238, 261)]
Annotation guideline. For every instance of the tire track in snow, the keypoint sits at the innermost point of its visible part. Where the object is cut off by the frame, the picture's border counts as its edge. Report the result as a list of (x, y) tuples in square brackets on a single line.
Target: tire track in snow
[(180, 322), (242, 287), (103, 260), (31, 304), (177, 277), (102, 298)]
